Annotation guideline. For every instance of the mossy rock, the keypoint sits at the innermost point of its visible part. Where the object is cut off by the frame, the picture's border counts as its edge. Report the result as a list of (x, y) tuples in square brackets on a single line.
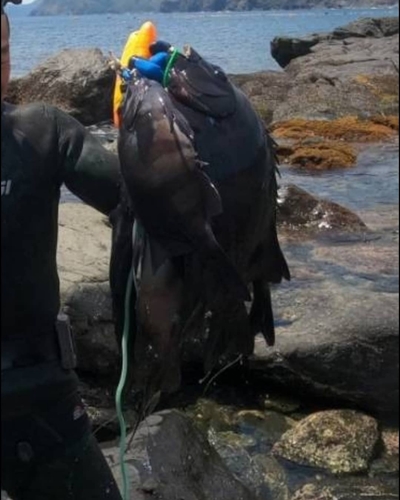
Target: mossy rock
[(349, 129), (323, 156), (361, 489), (340, 441)]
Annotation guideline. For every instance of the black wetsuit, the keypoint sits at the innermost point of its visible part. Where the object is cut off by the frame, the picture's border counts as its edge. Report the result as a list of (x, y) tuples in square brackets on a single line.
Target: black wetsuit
[(48, 452)]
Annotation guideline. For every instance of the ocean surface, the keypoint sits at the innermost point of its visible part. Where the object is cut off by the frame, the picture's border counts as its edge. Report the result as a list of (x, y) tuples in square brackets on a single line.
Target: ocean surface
[(239, 42)]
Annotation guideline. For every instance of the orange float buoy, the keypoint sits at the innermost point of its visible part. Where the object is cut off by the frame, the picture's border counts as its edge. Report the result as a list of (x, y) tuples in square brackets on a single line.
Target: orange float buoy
[(138, 44)]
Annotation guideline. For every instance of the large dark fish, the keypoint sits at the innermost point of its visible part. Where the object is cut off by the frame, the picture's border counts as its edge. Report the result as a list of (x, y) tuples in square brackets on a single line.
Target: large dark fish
[(182, 154), (240, 159), (172, 197)]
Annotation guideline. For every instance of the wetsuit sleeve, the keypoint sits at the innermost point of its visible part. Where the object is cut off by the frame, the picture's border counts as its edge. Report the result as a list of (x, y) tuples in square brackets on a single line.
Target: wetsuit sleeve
[(88, 170)]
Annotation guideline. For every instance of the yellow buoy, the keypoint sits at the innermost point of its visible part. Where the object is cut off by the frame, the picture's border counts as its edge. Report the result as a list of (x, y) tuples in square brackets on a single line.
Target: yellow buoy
[(138, 44)]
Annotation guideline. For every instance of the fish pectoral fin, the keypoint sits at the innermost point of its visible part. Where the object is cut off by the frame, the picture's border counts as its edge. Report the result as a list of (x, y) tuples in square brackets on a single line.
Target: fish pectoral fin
[(212, 197), (261, 314)]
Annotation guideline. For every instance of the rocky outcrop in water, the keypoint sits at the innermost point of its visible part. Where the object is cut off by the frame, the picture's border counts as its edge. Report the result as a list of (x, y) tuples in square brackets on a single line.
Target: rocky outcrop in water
[(350, 72), (301, 213), (284, 49)]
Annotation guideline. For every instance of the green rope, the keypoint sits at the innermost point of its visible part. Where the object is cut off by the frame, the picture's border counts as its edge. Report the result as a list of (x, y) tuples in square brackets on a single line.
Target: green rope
[(167, 72), (122, 382)]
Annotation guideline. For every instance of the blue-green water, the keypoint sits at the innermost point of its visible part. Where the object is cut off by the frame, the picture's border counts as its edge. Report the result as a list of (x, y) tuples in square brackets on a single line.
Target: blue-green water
[(239, 42)]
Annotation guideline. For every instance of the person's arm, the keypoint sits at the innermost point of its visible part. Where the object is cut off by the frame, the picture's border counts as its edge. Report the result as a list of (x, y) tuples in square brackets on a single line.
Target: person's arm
[(88, 170)]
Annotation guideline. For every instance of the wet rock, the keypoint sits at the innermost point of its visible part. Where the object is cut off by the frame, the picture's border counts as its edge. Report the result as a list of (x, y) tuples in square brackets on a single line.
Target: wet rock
[(170, 459), (350, 489), (367, 259), (266, 90), (232, 440), (298, 210), (90, 310), (275, 477), (388, 461), (268, 427), (105, 424), (341, 441), (322, 156), (340, 343), (210, 415), (280, 404), (241, 464), (285, 49), (79, 82)]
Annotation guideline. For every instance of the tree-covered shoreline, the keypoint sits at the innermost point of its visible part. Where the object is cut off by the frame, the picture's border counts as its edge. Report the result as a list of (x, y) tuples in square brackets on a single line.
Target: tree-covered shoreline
[(78, 7)]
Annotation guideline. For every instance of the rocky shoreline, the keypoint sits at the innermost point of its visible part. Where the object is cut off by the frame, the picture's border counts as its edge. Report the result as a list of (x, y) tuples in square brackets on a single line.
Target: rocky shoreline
[(316, 417)]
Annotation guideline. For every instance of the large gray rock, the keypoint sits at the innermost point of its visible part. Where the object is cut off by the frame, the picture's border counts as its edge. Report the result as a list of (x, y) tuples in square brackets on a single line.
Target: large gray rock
[(79, 82), (285, 49), (84, 248), (341, 60), (170, 459), (341, 343), (351, 71), (368, 27)]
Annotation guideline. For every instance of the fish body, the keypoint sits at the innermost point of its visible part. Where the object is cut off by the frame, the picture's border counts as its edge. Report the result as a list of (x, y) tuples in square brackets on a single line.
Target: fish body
[(171, 195), (200, 173)]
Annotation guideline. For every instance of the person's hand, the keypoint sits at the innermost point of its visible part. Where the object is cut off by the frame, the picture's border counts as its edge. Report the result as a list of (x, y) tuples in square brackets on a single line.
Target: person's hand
[(153, 68)]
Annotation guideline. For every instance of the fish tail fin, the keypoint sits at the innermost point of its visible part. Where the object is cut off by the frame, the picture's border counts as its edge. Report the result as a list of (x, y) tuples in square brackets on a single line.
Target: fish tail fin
[(261, 314), (280, 258)]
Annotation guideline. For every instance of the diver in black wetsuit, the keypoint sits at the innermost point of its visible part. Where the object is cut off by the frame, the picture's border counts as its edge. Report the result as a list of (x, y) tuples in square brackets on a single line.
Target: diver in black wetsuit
[(48, 452)]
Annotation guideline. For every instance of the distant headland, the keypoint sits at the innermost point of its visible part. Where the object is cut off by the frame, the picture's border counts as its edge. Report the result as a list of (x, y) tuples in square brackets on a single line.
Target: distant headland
[(77, 7)]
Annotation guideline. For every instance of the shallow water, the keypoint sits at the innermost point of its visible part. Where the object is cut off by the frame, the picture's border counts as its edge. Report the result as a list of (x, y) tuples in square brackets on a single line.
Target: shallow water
[(373, 184)]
